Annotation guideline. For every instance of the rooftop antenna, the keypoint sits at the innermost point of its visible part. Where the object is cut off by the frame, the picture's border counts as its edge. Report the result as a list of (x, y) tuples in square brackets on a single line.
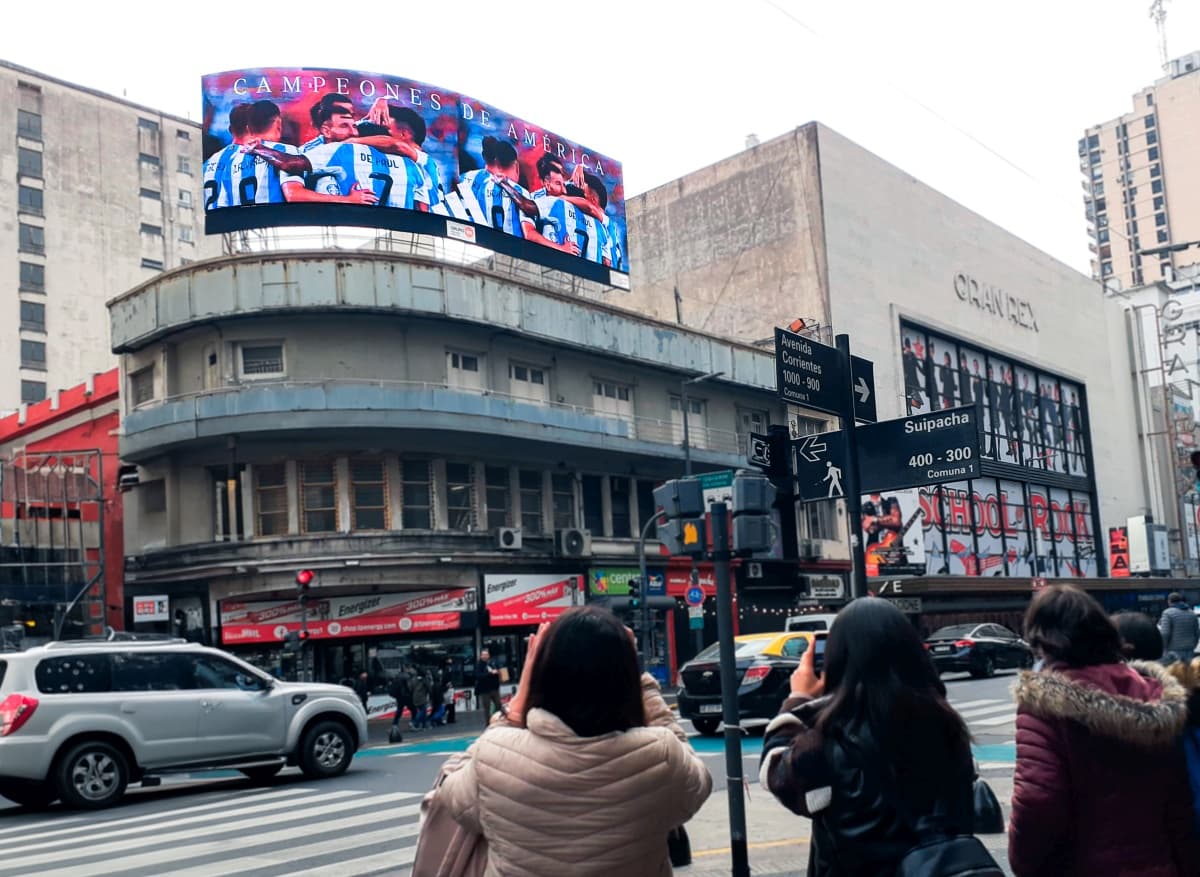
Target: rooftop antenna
[(1158, 11)]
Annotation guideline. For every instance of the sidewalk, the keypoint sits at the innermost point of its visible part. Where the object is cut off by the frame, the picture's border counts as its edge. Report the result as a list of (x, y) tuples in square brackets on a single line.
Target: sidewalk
[(467, 723)]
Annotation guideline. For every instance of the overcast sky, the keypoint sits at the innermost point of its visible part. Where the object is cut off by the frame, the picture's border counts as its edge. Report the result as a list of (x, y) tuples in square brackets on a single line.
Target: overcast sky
[(668, 86)]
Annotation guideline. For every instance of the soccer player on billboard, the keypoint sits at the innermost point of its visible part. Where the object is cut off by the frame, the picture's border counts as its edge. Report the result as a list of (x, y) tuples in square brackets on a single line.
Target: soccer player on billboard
[(407, 130), (252, 169), (215, 167)]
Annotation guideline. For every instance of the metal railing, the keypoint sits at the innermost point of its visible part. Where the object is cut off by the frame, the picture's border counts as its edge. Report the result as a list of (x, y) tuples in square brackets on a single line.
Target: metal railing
[(646, 429)]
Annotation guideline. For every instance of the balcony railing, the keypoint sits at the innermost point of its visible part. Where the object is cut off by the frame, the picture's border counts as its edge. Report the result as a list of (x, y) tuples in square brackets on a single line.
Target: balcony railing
[(647, 429)]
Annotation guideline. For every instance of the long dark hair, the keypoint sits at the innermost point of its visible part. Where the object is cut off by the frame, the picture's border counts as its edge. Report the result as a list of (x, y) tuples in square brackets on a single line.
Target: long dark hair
[(878, 673), (1068, 626), (586, 673)]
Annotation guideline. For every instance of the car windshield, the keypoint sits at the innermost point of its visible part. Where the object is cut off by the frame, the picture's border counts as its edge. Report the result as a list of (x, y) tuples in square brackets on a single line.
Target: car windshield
[(955, 630), (744, 650)]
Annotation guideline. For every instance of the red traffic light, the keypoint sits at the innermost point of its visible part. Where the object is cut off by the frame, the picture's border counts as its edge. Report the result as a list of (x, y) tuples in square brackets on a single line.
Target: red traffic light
[(302, 635), (304, 578)]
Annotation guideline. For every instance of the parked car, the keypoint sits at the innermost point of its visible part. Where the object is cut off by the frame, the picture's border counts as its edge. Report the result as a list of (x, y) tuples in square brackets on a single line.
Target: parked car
[(822, 621), (81, 720), (978, 649), (764, 661)]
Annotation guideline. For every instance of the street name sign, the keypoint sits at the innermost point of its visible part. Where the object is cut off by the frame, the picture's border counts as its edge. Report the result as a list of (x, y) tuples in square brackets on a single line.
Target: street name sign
[(914, 451), (809, 374)]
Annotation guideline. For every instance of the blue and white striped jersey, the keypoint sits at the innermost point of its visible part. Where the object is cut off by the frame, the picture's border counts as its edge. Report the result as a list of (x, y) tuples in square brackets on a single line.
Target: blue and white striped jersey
[(496, 206), (564, 221), (233, 178), (433, 178), (616, 247), (340, 168)]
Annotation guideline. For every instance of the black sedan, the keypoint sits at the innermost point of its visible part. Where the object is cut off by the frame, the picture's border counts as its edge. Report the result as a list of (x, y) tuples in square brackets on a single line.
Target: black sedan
[(978, 649), (764, 661)]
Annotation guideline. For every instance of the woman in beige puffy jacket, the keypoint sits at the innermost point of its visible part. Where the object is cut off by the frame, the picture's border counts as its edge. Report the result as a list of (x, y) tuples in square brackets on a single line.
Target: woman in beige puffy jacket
[(588, 771)]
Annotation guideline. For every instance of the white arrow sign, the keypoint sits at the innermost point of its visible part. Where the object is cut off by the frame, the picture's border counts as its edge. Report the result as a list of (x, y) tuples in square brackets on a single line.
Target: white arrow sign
[(863, 391), (810, 448)]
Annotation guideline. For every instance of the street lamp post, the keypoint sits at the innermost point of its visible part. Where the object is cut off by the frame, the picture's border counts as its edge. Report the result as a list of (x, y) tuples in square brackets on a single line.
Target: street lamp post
[(687, 469)]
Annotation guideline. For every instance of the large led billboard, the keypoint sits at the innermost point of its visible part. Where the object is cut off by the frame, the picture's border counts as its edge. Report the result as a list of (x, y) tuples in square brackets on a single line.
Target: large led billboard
[(309, 146)]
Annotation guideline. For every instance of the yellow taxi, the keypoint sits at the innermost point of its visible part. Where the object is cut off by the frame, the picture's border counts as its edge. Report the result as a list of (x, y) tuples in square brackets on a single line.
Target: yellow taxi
[(764, 665)]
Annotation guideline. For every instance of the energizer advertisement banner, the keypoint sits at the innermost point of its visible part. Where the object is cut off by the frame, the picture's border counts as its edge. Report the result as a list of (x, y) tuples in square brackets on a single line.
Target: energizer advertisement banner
[(311, 146)]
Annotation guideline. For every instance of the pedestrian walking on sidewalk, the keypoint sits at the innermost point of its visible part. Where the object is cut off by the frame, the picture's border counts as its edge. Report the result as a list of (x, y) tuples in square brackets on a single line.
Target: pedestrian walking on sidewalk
[(1100, 786), (487, 684), (401, 691), (587, 771), (1180, 629), (420, 698), (871, 749)]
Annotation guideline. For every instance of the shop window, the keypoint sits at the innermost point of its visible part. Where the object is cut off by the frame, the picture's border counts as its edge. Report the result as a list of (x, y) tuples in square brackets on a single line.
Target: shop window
[(618, 487), (270, 499), (318, 497), (593, 503), (530, 482), (496, 486), (460, 496), (368, 495), (417, 494), (563, 490), (141, 386)]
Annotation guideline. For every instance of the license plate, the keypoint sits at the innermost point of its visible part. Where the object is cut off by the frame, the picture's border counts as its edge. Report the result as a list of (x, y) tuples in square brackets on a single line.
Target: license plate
[(941, 648), (710, 707)]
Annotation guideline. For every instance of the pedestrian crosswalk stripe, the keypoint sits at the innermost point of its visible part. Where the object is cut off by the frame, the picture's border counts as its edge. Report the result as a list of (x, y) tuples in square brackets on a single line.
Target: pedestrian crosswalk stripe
[(297, 853), (973, 703), (380, 862), (14, 863), (971, 714), (315, 805), (998, 720)]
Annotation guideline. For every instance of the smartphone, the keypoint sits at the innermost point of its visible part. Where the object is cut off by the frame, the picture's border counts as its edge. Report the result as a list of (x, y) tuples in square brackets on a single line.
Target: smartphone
[(819, 653)]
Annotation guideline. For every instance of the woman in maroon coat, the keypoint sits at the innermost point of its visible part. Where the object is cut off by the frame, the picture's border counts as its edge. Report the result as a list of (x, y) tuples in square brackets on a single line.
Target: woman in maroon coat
[(1101, 787)]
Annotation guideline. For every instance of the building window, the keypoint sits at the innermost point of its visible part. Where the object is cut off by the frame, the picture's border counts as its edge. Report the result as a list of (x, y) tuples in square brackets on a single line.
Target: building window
[(185, 199), (270, 496), (33, 316), (29, 125), (1152, 153), (141, 386), (368, 495), (153, 194), (29, 163), (32, 239), (184, 164), (152, 230), (1156, 170), (318, 497), (152, 264), (752, 421), (149, 163), (416, 485), (185, 234), (496, 491), (1149, 100), (613, 398), (30, 200), (464, 371), (618, 492), (818, 521), (183, 135), (1151, 137), (29, 96), (1149, 120), (33, 277), (261, 361), (460, 496), (1160, 219), (562, 489), (1159, 202), (32, 391), (1102, 237), (1156, 186), (697, 435), (1106, 269), (528, 382), (530, 482), (33, 354), (1101, 205), (1093, 141), (593, 503), (1163, 237)]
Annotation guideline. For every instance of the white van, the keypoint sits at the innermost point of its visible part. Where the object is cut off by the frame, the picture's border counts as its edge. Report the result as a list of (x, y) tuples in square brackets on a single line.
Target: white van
[(809, 622)]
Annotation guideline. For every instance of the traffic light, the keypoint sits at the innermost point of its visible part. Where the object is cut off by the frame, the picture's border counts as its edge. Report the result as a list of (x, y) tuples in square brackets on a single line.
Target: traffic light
[(303, 579), (753, 499), (294, 640), (682, 502), (635, 593)]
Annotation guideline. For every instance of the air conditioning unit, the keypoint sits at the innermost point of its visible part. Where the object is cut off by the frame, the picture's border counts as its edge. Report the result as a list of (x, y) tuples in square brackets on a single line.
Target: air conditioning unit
[(508, 538), (573, 543), (754, 570)]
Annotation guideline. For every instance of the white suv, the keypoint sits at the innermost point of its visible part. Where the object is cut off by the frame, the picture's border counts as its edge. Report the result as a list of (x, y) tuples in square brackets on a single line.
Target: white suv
[(80, 720)]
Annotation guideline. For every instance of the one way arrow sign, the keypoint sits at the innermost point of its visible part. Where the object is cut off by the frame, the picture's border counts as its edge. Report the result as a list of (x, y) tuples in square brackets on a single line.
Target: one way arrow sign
[(862, 379), (810, 448)]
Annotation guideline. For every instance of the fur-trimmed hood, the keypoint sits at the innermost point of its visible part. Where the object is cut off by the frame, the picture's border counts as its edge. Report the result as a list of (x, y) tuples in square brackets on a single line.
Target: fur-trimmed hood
[(1140, 703)]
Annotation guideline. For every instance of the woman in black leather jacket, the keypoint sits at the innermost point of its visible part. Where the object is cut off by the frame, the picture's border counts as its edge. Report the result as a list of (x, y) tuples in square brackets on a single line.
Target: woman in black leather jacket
[(870, 748)]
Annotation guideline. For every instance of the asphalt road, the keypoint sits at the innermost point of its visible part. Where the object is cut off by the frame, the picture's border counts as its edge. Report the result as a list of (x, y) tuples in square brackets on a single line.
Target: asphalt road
[(366, 822)]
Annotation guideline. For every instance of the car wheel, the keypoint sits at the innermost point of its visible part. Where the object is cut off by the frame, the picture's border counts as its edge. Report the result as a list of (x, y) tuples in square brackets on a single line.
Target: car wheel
[(707, 727), (91, 775), (326, 750), (261, 774), (34, 795), (986, 668)]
